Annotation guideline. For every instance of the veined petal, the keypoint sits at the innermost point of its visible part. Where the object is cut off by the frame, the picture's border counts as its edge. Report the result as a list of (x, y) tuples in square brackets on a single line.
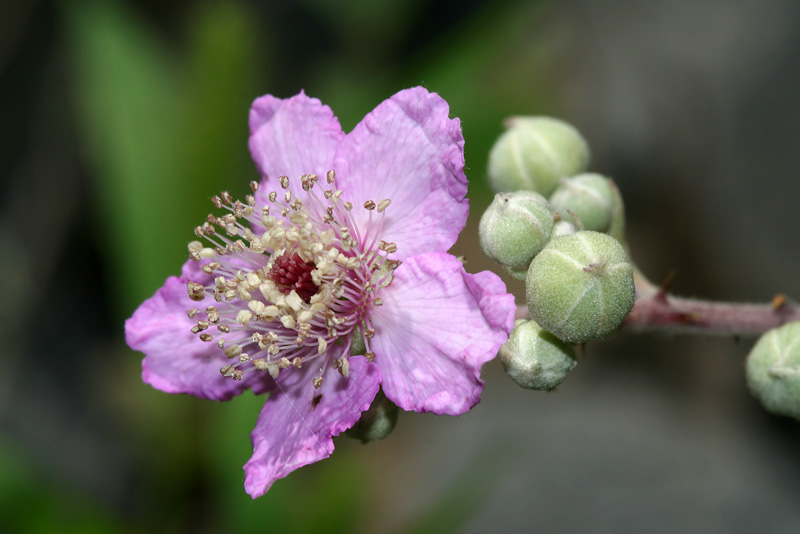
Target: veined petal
[(297, 424), (176, 361), (437, 326), (409, 151), (291, 137)]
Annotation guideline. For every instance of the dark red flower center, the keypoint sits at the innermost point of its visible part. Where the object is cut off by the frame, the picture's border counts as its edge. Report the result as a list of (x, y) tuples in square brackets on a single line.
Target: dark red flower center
[(290, 272)]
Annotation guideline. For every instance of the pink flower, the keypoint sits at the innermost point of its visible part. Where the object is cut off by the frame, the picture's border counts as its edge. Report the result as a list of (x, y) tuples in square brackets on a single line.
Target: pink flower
[(314, 261)]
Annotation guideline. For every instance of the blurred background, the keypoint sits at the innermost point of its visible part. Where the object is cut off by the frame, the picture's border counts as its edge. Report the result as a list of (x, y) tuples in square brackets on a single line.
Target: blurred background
[(120, 119)]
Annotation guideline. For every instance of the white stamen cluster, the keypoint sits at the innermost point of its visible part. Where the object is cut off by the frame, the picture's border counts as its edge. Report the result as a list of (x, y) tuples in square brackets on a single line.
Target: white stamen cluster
[(291, 283)]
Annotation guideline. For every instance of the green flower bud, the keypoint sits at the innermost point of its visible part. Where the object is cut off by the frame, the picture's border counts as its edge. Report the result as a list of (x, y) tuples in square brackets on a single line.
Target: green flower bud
[(535, 358), (534, 153), (376, 422), (580, 287), (773, 370), (515, 227), (589, 197)]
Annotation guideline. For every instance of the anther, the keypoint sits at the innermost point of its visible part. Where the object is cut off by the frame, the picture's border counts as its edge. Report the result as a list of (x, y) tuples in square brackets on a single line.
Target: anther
[(331, 176), (273, 196), (253, 186), (369, 205), (370, 356), (297, 362), (226, 197), (192, 313), (317, 382), (383, 204), (196, 291), (206, 337), (284, 181)]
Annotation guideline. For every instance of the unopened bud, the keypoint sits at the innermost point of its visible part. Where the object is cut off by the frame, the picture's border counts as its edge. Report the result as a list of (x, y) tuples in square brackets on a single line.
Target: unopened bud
[(589, 197), (773, 370), (535, 358), (534, 153), (580, 287), (376, 422), (515, 227)]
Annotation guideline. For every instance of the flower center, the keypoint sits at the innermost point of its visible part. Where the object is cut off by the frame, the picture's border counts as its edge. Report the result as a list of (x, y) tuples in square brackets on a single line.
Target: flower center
[(293, 283), (292, 273)]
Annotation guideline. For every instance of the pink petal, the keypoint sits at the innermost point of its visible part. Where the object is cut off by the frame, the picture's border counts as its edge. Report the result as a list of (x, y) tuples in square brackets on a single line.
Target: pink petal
[(292, 431), (292, 137), (437, 326), (409, 151), (176, 361)]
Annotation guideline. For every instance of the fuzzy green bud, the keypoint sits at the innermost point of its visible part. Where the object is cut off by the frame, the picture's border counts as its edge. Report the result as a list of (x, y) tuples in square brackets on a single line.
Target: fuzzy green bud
[(377, 422), (534, 153), (589, 197), (580, 286), (515, 227), (773, 370), (535, 358)]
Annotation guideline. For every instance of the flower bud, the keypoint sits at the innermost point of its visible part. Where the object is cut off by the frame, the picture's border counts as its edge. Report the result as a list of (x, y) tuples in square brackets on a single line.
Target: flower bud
[(773, 370), (376, 422), (515, 228), (580, 286), (589, 197), (534, 153), (535, 358)]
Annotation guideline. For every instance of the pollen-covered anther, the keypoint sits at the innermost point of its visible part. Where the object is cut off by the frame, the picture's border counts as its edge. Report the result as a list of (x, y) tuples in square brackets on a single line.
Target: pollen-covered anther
[(369, 205), (192, 313), (331, 176), (322, 345), (378, 302), (206, 337), (317, 382), (223, 328), (387, 247), (297, 362), (284, 363), (233, 351), (370, 356), (196, 291), (244, 358), (284, 180)]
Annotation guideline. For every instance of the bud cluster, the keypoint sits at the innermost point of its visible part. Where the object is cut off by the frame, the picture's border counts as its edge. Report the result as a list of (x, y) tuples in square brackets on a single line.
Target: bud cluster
[(558, 227)]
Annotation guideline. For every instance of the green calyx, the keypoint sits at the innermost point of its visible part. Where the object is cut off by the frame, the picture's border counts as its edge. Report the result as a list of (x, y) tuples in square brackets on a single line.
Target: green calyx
[(773, 370), (536, 359), (515, 227), (534, 153), (580, 286), (589, 198)]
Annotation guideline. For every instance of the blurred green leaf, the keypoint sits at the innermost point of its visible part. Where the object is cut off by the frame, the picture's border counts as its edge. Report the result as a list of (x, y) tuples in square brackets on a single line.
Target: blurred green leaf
[(161, 140)]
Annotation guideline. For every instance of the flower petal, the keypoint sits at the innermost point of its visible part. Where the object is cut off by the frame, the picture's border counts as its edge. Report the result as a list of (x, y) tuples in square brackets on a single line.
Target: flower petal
[(409, 151), (437, 326), (291, 137), (294, 430), (176, 361)]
